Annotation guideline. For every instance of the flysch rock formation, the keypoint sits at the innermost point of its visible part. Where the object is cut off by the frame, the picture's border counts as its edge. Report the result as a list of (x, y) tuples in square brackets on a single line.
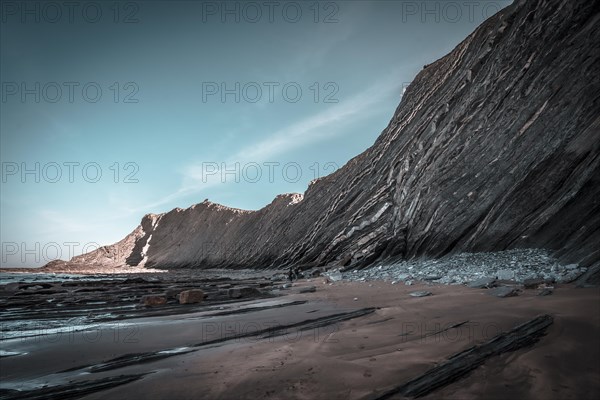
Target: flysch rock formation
[(493, 147)]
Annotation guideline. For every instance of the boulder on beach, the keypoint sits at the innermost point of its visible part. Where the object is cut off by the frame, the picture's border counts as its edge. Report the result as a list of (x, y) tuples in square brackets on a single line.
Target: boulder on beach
[(152, 300), (505, 274), (334, 276), (481, 283), (503, 291), (191, 296)]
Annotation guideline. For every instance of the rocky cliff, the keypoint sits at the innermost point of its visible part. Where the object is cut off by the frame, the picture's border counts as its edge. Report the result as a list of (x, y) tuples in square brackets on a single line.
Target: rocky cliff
[(495, 146)]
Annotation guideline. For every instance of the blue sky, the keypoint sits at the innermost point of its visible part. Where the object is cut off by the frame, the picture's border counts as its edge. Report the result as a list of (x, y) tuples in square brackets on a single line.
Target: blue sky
[(162, 98)]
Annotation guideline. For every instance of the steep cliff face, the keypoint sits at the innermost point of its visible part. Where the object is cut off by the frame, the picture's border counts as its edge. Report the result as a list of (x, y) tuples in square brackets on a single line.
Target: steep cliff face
[(128, 251), (494, 146)]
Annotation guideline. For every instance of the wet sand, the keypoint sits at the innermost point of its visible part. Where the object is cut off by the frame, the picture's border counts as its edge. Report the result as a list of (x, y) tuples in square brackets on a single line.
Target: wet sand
[(348, 359)]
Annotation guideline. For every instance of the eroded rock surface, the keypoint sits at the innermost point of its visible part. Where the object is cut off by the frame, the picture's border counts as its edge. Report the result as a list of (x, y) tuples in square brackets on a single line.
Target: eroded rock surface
[(493, 147)]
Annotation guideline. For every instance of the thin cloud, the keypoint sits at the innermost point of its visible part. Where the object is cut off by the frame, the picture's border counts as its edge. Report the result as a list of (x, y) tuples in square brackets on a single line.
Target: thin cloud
[(319, 127), (61, 222)]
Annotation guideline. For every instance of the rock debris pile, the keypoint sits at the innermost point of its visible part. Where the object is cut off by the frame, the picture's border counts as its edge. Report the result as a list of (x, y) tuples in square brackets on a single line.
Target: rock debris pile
[(480, 269)]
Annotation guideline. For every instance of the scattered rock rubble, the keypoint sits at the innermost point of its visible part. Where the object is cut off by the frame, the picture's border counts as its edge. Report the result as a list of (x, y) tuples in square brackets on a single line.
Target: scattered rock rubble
[(478, 270), (27, 308)]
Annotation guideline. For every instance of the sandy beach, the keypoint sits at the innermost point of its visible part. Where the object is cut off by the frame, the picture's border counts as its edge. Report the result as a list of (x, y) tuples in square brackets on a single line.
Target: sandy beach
[(345, 340)]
